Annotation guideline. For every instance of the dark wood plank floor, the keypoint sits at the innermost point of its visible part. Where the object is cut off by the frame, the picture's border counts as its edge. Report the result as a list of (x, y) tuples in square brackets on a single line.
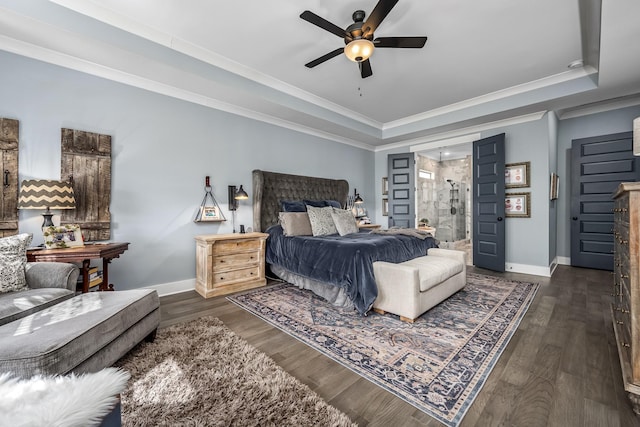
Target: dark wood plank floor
[(561, 367)]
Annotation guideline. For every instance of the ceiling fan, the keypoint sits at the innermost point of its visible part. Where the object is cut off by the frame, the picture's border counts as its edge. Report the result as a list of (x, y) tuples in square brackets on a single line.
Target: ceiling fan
[(358, 37)]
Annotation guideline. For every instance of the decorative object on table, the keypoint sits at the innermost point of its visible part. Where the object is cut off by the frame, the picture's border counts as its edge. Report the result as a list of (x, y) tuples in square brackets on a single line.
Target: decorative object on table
[(517, 175), (203, 372), (54, 400), (9, 148), (46, 194), (235, 195), (423, 222), (554, 186), (385, 186), (86, 163), (209, 210), (517, 205), (65, 236), (438, 364)]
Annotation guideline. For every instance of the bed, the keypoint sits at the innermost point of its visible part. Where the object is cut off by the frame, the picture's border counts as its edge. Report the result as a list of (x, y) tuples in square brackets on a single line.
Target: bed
[(337, 268)]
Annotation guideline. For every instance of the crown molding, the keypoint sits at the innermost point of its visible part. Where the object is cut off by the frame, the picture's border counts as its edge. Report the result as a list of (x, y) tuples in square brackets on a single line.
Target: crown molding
[(601, 107)]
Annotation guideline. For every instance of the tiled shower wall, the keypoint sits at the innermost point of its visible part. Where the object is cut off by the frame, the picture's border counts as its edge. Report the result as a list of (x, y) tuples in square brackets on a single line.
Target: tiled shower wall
[(433, 198)]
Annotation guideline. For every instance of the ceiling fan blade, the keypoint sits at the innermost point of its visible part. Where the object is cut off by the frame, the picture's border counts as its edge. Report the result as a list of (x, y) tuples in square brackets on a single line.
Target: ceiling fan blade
[(365, 69), (404, 42), (376, 16), (326, 57), (323, 23)]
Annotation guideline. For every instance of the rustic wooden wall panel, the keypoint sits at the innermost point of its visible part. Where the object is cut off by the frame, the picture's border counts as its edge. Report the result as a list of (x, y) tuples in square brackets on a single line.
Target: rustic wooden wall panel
[(9, 138), (86, 157)]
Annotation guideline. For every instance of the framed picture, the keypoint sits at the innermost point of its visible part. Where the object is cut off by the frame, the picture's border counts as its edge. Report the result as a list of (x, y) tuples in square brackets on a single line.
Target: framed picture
[(516, 175), (385, 207), (64, 236), (554, 186), (517, 205), (210, 213), (385, 186)]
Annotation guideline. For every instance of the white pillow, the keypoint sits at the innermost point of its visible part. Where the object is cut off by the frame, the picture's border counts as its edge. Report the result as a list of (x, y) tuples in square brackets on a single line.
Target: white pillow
[(321, 220), (295, 223), (344, 220), (13, 259)]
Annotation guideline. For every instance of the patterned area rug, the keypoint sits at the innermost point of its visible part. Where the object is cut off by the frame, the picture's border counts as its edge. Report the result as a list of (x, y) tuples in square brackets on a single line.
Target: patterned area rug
[(438, 364)]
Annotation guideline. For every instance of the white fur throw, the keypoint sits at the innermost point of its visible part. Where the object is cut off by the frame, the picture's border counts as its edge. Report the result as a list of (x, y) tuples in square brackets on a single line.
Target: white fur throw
[(67, 401)]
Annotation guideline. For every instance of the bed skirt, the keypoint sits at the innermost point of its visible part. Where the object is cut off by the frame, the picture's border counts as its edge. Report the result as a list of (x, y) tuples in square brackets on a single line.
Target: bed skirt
[(333, 294)]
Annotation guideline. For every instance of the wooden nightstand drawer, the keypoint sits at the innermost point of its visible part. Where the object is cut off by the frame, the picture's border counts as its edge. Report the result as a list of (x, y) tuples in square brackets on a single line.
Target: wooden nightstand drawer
[(235, 276), (235, 246), (227, 263)]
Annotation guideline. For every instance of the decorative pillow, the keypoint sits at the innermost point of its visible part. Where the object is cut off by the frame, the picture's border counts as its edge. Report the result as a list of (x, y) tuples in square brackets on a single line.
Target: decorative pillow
[(13, 259), (295, 223), (315, 203), (293, 206), (321, 221), (344, 221)]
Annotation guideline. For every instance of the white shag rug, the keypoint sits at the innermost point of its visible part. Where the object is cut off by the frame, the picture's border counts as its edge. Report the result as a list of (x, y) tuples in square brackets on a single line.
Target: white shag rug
[(60, 401)]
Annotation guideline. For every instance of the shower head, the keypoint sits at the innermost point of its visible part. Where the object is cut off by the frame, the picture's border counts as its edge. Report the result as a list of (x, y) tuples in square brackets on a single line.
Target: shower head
[(450, 181)]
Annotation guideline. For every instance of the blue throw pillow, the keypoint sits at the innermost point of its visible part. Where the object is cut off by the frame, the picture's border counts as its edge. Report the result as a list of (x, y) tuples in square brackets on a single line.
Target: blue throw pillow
[(316, 203), (333, 203), (293, 206)]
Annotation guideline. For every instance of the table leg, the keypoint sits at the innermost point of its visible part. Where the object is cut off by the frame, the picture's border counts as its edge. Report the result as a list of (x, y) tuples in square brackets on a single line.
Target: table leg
[(85, 275), (105, 285)]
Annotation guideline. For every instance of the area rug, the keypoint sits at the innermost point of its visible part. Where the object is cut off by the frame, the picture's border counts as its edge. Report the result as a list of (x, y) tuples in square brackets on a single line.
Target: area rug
[(201, 374), (438, 364)]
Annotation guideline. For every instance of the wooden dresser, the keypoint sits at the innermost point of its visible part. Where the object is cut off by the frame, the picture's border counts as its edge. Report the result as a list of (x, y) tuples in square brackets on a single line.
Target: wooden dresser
[(227, 263), (626, 286)]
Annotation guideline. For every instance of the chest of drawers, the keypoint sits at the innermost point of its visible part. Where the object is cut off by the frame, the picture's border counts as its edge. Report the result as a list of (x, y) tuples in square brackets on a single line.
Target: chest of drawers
[(227, 263), (625, 308)]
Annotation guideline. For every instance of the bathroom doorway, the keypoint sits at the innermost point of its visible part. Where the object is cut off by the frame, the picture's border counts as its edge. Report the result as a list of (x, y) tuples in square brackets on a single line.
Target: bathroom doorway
[(443, 199)]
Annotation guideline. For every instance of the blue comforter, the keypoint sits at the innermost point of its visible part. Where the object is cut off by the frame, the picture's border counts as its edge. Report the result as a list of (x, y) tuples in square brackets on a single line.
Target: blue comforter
[(344, 261)]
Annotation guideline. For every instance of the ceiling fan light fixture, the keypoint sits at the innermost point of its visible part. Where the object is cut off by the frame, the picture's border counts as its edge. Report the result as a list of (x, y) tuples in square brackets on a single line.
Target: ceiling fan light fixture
[(359, 50)]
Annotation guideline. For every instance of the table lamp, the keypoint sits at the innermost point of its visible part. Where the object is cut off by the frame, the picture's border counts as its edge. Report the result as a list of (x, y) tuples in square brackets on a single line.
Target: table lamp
[(46, 194)]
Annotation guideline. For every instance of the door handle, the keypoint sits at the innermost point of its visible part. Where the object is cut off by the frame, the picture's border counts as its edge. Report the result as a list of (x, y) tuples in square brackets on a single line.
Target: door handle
[(575, 218), (499, 218)]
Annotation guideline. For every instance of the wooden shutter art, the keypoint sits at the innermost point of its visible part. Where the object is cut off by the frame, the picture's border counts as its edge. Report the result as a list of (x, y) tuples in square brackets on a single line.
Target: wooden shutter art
[(9, 129), (86, 161)]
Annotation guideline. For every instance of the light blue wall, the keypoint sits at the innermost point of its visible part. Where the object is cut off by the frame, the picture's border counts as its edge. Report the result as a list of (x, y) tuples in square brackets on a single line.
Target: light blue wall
[(162, 150), (605, 123), (553, 167)]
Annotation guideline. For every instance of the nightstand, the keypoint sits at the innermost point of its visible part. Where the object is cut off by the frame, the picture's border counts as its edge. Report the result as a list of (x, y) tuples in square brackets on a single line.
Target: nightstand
[(227, 263)]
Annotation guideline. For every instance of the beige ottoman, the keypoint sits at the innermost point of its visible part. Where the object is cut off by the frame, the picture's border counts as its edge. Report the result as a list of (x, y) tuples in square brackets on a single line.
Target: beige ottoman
[(410, 288)]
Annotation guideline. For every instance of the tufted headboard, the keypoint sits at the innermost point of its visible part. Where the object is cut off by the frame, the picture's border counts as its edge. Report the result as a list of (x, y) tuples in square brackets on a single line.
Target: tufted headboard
[(270, 188)]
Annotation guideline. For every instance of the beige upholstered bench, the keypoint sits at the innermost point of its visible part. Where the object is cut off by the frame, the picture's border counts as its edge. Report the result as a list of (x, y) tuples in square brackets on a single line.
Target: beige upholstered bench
[(410, 288)]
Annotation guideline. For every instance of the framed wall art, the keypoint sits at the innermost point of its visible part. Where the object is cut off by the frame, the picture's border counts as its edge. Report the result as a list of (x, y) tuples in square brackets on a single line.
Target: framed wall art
[(517, 205), (385, 186), (517, 175), (385, 207)]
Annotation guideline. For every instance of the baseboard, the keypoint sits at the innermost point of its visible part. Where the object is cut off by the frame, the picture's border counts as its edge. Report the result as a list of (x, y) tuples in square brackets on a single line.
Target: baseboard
[(171, 288), (563, 260), (527, 269)]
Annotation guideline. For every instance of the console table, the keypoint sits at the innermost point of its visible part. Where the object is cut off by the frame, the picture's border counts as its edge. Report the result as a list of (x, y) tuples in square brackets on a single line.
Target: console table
[(84, 255)]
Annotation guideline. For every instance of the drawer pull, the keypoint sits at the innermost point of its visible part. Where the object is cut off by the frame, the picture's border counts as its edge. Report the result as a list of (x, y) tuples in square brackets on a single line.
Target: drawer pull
[(624, 344), (619, 322), (624, 276)]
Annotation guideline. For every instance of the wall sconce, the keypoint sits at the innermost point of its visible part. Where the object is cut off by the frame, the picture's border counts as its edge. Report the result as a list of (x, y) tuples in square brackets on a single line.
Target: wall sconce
[(356, 197), (46, 194), (236, 194)]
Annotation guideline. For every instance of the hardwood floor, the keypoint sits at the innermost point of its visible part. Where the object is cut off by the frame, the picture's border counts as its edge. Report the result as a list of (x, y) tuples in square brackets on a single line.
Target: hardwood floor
[(561, 367)]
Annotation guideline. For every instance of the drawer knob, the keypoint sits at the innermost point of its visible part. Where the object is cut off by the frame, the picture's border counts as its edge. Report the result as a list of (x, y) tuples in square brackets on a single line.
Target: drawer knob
[(619, 322), (624, 344)]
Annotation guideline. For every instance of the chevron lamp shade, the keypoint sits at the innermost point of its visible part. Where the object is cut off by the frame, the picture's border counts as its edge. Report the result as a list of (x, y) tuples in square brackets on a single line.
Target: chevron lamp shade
[(46, 194)]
